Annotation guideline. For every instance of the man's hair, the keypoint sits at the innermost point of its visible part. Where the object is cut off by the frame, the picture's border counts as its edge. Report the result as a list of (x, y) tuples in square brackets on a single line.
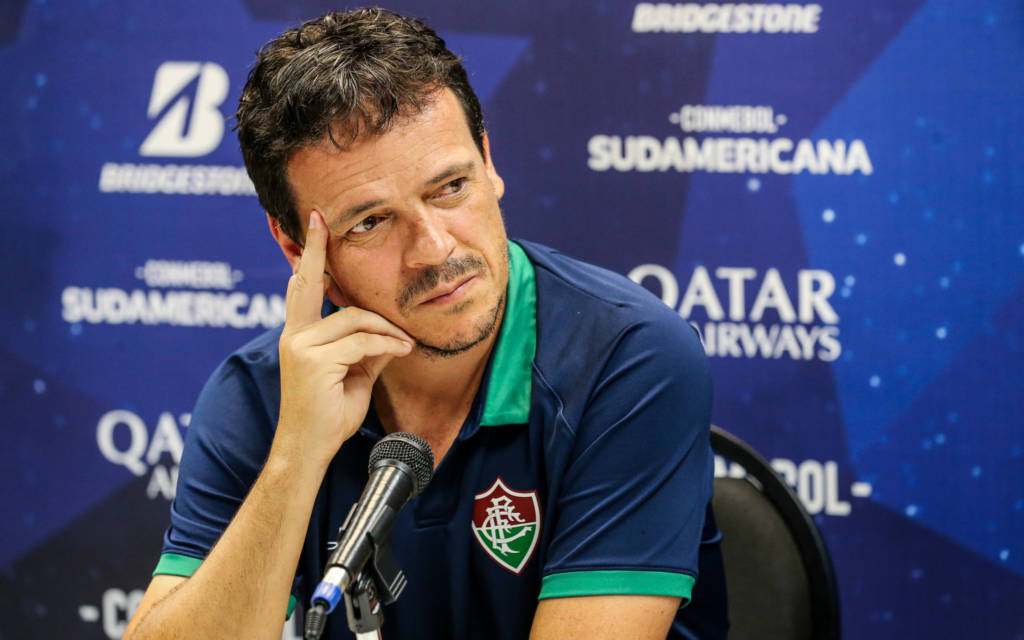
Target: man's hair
[(339, 77)]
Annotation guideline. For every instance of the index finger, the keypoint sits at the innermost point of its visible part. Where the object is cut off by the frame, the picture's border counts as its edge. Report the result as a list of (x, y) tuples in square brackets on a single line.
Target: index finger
[(305, 294)]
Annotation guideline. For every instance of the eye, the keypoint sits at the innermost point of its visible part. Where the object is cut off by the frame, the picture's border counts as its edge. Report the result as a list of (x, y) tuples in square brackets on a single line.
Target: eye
[(452, 188), (367, 224)]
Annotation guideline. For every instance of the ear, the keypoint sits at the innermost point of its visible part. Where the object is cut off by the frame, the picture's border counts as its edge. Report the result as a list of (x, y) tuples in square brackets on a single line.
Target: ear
[(291, 249), (496, 182), (293, 252)]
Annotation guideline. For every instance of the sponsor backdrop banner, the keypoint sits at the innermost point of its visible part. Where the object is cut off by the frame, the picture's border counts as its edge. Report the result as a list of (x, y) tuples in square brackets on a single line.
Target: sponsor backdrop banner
[(828, 191)]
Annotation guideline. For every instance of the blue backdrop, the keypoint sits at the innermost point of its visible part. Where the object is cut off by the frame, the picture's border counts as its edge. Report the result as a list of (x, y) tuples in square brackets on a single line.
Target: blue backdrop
[(828, 191)]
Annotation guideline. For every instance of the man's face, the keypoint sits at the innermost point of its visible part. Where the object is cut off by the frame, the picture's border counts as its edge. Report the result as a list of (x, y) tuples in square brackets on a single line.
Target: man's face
[(416, 234)]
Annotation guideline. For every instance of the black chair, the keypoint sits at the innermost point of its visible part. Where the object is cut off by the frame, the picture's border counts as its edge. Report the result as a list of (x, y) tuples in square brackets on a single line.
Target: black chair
[(779, 576)]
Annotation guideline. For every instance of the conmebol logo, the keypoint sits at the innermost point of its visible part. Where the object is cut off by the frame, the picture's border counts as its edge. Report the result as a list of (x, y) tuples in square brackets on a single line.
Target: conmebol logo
[(177, 134)]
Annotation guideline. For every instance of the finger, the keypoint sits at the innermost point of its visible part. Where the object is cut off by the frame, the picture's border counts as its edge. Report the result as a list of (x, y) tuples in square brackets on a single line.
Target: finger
[(373, 366), (355, 348), (351, 320), (305, 288)]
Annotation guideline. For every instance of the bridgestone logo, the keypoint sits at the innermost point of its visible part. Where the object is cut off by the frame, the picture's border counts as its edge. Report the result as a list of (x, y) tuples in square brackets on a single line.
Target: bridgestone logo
[(190, 125), (725, 18), (197, 180)]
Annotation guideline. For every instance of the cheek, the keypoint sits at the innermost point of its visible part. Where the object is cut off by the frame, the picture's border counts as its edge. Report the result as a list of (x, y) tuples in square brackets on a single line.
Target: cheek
[(365, 286), (341, 282), (482, 223)]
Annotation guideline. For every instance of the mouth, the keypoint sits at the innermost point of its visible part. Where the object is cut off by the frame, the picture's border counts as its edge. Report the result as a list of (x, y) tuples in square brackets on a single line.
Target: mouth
[(450, 292)]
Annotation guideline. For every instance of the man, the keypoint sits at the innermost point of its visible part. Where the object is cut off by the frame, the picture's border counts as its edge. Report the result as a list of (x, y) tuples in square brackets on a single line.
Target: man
[(566, 408)]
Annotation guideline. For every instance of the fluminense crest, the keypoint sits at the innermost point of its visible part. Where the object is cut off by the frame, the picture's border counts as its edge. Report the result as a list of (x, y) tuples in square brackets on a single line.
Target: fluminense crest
[(506, 523)]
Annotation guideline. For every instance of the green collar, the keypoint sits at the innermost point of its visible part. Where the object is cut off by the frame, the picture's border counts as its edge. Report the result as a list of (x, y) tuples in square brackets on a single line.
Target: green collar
[(508, 389)]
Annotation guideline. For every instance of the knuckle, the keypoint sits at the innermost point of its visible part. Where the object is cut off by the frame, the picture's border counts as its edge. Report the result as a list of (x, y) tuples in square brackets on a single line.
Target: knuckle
[(286, 345), (294, 341)]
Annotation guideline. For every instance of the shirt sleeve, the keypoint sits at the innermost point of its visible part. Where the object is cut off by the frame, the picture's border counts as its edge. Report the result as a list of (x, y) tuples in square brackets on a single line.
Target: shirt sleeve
[(226, 444), (632, 502)]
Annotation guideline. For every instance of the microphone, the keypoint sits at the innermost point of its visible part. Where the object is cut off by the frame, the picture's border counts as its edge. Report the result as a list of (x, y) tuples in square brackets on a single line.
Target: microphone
[(401, 465)]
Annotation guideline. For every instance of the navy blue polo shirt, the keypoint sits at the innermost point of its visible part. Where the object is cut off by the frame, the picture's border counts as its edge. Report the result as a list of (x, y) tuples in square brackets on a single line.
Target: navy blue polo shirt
[(583, 467)]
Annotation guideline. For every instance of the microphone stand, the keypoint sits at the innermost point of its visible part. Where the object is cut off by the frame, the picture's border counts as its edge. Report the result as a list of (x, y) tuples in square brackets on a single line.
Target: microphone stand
[(380, 583), (365, 597)]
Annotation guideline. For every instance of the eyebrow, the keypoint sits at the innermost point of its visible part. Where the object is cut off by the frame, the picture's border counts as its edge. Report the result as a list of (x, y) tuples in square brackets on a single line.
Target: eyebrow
[(446, 173), (449, 172), (354, 211)]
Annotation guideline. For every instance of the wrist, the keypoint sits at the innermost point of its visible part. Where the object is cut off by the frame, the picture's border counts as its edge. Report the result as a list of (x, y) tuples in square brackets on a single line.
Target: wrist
[(298, 456)]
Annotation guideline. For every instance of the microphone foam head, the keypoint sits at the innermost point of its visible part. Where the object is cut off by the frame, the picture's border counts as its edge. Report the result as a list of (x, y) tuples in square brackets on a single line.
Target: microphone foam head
[(409, 449)]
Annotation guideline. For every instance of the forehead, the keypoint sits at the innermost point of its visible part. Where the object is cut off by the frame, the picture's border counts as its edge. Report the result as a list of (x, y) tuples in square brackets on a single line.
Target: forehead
[(327, 177)]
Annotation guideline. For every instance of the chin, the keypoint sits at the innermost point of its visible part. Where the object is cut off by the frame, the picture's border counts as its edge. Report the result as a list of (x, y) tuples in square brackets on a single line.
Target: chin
[(447, 346)]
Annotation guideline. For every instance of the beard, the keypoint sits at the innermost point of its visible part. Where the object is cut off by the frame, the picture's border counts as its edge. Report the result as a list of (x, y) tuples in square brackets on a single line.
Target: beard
[(483, 330), (448, 271)]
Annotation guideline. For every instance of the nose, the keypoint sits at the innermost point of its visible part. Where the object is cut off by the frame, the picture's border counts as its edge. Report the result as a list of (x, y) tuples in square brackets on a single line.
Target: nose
[(430, 242)]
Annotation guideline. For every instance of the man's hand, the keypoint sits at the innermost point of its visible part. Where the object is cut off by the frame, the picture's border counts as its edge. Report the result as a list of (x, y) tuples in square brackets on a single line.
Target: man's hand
[(328, 365)]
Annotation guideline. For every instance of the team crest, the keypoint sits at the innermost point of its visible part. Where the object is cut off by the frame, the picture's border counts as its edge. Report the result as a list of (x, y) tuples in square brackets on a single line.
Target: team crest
[(506, 523)]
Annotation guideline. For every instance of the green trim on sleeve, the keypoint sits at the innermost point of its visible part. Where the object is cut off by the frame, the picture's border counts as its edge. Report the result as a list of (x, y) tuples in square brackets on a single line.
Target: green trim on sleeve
[(606, 583), (172, 564), (508, 392)]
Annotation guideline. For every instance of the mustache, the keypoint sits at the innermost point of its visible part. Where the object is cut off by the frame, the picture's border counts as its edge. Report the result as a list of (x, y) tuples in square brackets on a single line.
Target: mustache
[(429, 278)]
